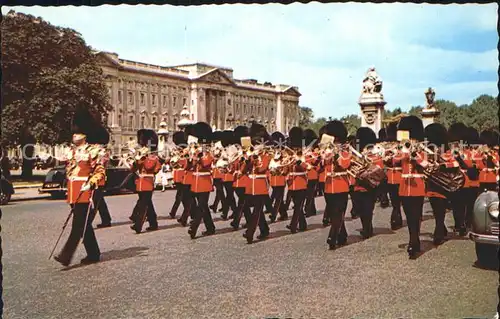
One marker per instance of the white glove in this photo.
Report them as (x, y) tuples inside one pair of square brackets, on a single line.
[(85, 187)]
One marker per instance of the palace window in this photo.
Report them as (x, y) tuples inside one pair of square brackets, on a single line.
[(143, 99), (143, 122), (130, 122), (184, 101), (131, 98), (153, 99), (119, 97), (164, 100), (154, 122), (175, 101), (228, 101), (119, 120)]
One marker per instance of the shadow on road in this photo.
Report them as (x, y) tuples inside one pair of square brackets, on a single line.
[(120, 254)]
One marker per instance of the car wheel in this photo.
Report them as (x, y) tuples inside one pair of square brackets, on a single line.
[(4, 198), (58, 195), (487, 255)]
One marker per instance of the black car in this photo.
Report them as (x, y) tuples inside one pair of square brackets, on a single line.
[(6, 191), (118, 180)]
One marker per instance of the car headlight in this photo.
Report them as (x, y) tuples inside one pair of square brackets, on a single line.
[(493, 210)]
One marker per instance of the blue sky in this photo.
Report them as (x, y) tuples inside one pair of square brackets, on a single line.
[(324, 49)]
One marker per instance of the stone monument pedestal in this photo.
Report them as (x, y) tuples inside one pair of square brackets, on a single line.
[(429, 116), (372, 110)]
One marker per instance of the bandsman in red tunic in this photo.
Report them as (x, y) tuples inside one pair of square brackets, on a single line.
[(297, 180), (217, 176), (84, 173), (240, 179), (146, 166), (228, 178), (364, 197), (382, 190), (393, 172), (202, 183), (177, 162), (351, 139), (277, 178), (312, 158), (187, 179), (412, 186), (437, 136), (335, 162), (488, 176), (257, 190)]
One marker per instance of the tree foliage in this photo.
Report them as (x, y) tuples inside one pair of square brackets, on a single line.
[(48, 71), (306, 116)]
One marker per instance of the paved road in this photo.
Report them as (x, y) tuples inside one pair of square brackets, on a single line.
[(165, 274)]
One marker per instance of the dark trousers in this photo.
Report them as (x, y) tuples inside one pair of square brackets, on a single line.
[(354, 212), (201, 212), (298, 217), (439, 210), (77, 226), (288, 200), (268, 203), (470, 195), (458, 206), (488, 186), (257, 217), (178, 199), (310, 205), (396, 218), (412, 207), (382, 190), (243, 207), (187, 203), (278, 204), (230, 202), (101, 205), (365, 203), (219, 194), (336, 205), (321, 189), (143, 209)]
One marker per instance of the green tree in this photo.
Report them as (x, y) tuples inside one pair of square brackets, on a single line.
[(482, 113), (48, 72), (306, 117), (416, 111), (317, 124), (352, 122)]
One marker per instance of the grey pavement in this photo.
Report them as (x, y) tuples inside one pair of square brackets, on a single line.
[(165, 274)]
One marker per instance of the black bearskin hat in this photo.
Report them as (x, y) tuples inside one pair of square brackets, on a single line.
[(278, 138), (437, 135), (258, 133), (203, 132), (148, 138), (365, 136), (472, 136), (336, 129), (382, 135), (310, 138), (413, 125), (83, 122), (391, 132), (295, 136), (457, 132), (239, 132), (351, 139), (227, 138), (179, 138), (217, 136), (98, 135), (489, 138)]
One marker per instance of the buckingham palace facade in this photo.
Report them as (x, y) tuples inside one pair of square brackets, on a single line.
[(143, 95)]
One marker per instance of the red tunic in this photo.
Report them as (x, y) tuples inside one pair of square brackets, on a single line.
[(258, 184), (412, 182), (489, 174), (297, 177), (337, 178), (202, 177), (240, 180), (431, 189), (313, 174), (147, 169)]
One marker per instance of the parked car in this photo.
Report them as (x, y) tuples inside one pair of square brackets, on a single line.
[(6, 191), (119, 180), (485, 229)]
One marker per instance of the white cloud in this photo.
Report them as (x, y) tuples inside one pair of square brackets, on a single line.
[(324, 49)]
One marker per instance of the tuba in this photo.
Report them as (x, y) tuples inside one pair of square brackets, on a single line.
[(449, 179)]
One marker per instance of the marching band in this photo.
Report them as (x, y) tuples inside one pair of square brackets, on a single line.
[(250, 170)]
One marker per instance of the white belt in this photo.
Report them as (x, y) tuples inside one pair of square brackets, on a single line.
[(491, 169), (297, 173), (146, 175), (395, 168), (78, 178), (178, 169), (254, 176), (202, 173), (412, 175), (329, 174)]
